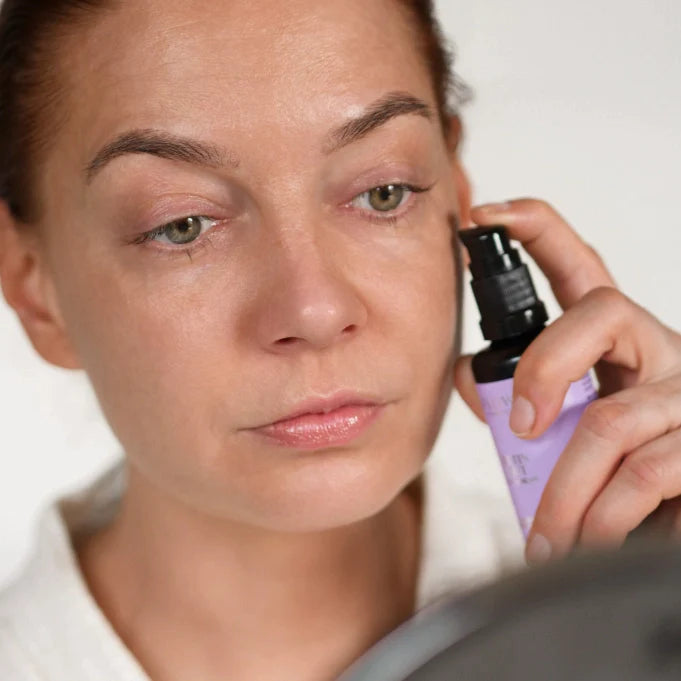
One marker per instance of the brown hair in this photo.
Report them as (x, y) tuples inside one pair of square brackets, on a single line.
[(30, 92)]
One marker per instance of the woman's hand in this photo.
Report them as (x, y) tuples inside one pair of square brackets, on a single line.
[(624, 460)]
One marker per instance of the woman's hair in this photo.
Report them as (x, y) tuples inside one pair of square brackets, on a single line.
[(32, 94)]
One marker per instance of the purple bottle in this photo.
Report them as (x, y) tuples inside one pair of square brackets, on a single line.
[(512, 316)]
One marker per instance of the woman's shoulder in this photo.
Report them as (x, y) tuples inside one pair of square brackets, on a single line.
[(27, 613), (40, 605), (17, 619), (14, 663), (50, 626)]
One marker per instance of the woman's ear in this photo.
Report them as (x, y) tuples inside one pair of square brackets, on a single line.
[(29, 290), (462, 183)]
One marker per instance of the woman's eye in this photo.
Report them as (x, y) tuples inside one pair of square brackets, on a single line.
[(183, 231), (387, 198), (384, 199)]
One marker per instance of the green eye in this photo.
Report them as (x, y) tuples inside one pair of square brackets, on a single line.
[(388, 202), (178, 232), (183, 231), (387, 198)]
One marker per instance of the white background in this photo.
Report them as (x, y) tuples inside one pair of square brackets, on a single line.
[(576, 102)]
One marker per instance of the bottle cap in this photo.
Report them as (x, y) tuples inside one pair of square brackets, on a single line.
[(501, 284)]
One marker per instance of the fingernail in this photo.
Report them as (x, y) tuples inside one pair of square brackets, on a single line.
[(538, 549), (494, 207), (522, 416)]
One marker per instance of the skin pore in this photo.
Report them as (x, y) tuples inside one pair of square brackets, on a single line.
[(233, 557)]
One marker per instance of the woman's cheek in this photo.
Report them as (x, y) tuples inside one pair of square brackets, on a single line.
[(428, 292)]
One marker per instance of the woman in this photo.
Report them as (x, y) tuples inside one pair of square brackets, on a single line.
[(230, 214)]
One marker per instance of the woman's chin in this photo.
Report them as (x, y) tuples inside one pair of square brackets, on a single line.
[(286, 489), (336, 490)]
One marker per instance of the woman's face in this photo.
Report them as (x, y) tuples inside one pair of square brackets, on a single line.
[(299, 280)]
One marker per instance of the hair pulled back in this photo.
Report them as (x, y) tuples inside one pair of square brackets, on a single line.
[(31, 90)]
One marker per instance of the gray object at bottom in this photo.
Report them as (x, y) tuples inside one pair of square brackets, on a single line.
[(614, 617)]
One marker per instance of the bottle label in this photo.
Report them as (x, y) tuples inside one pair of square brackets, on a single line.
[(527, 464)]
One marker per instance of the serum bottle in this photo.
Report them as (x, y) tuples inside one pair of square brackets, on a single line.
[(512, 316)]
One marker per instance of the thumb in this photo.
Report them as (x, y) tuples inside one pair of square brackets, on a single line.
[(464, 382)]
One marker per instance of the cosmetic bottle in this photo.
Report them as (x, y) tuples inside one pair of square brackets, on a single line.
[(512, 316)]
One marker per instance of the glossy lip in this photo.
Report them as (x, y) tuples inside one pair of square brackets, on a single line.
[(317, 423), (324, 405)]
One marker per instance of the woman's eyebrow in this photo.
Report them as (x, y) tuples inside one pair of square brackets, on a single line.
[(377, 114), (162, 144), (176, 148)]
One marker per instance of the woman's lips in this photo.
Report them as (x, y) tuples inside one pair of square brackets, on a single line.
[(316, 431)]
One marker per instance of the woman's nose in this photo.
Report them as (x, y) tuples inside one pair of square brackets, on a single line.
[(309, 302)]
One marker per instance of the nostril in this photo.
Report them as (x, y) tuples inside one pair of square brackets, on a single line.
[(286, 341)]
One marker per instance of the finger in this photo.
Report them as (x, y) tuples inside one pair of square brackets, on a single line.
[(608, 429), (647, 476), (571, 266), (465, 385), (604, 325)]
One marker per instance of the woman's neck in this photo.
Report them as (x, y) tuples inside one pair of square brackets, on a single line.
[(196, 597)]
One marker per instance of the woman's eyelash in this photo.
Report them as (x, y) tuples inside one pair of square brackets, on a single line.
[(162, 229), (390, 216)]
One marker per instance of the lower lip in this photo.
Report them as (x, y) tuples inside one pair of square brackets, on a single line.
[(316, 431)]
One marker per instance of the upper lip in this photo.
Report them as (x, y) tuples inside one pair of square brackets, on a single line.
[(323, 405)]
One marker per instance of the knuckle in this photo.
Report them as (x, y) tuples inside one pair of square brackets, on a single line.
[(598, 524), (608, 297), (535, 367), (643, 473), (541, 208), (607, 419), (616, 310), (543, 369), (595, 255)]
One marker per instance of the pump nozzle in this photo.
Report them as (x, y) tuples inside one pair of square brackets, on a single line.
[(501, 284)]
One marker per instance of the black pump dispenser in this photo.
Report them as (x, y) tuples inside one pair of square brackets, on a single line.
[(502, 285)]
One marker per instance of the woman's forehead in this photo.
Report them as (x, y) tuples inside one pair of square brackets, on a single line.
[(252, 43), (212, 69)]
